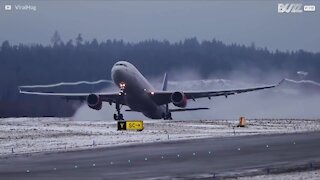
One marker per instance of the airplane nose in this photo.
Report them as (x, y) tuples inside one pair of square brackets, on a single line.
[(116, 73)]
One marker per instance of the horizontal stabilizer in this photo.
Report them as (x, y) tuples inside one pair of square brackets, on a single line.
[(130, 110), (187, 109), (176, 110)]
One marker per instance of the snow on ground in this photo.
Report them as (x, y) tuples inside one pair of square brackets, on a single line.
[(28, 135), (306, 175)]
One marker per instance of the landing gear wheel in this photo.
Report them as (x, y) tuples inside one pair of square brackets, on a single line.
[(118, 117), (167, 116)]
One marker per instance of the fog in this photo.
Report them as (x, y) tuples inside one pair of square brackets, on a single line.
[(241, 22), (292, 99)]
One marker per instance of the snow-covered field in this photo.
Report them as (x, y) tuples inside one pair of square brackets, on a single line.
[(28, 135)]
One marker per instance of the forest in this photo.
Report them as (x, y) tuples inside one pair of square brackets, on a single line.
[(78, 59)]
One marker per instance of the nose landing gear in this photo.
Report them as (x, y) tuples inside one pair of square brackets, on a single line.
[(118, 116)]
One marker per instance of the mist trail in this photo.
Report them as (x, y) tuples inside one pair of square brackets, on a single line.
[(171, 82), (303, 81), (67, 84)]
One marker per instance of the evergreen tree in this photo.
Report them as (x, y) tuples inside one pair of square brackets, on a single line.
[(56, 39)]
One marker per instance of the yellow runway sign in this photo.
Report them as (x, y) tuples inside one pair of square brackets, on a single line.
[(136, 125)]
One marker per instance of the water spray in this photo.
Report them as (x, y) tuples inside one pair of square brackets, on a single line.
[(303, 82)]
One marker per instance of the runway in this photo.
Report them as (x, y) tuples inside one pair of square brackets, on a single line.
[(174, 159)]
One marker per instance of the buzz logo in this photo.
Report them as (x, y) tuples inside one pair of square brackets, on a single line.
[(290, 8)]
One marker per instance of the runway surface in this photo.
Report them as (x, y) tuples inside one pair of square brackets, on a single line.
[(180, 159)]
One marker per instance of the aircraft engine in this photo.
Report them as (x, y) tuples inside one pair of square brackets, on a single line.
[(179, 99), (94, 101)]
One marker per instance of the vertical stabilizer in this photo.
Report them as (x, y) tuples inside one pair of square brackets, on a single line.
[(165, 82)]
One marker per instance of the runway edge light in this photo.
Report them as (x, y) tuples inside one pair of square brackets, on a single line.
[(135, 125)]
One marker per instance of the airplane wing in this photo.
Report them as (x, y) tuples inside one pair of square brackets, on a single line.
[(106, 97), (164, 97)]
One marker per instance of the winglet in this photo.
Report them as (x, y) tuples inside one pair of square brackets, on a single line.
[(281, 82), (165, 82)]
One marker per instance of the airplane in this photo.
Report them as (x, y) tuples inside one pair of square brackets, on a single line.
[(140, 96)]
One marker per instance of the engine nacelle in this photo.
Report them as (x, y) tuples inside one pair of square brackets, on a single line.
[(179, 99), (94, 101)]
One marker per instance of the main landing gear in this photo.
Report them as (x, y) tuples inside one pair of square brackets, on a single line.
[(118, 116), (167, 115)]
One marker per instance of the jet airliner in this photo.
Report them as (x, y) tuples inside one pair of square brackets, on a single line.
[(140, 96)]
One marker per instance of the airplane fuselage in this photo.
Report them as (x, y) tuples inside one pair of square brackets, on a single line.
[(136, 89)]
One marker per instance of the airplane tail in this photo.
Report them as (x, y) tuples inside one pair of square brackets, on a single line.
[(165, 82)]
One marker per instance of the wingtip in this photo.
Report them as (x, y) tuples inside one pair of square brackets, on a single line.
[(281, 81)]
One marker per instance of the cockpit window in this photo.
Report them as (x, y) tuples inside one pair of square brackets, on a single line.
[(120, 64)]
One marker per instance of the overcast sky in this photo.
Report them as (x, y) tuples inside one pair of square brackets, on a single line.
[(241, 22)]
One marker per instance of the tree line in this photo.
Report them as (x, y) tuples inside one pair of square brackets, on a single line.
[(79, 59)]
